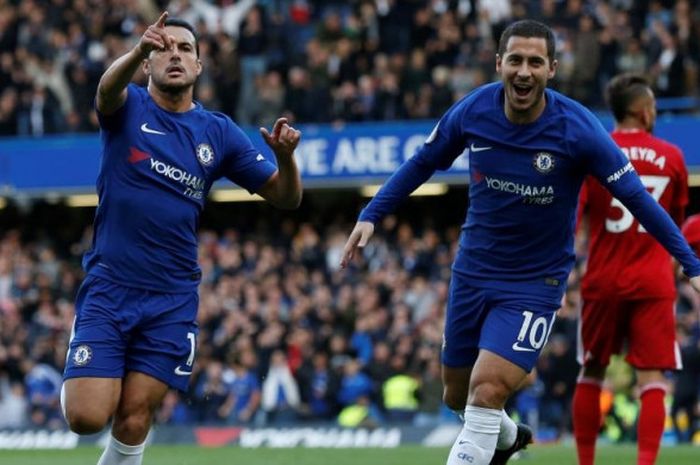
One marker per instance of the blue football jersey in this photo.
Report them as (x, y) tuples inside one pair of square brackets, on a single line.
[(156, 170), (524, 186)]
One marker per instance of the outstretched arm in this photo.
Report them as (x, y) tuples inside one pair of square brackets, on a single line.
[(111, 91), (283, 189)]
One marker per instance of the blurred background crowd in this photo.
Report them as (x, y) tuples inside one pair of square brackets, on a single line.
[(330, 60), (285, 336)]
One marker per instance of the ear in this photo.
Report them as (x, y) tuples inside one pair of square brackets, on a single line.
[(499, 60), (647, 115), (199, 66), (552, 69), (146, 67)]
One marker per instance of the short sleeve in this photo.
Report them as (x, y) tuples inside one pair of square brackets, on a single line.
[(134, 97), (243, 163)]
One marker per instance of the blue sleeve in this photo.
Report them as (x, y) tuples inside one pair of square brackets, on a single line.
[(615, 172), (135, 95), (444, 144), (243, 163)]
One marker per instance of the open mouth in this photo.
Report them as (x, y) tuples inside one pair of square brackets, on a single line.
[(175, 70), (522, 90)]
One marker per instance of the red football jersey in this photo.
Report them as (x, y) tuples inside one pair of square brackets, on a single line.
[(691, 231), (623, 259)]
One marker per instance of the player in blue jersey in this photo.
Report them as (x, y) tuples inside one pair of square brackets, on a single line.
[(529, 150), (135, 329)]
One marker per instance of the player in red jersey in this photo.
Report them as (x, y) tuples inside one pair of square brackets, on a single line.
[(629, 288), (691, 231)]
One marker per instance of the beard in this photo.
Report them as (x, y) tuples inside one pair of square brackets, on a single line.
[(537, 96), (173, 88)]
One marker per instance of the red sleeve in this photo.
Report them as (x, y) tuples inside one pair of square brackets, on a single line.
[(680, 199), (582, 202)]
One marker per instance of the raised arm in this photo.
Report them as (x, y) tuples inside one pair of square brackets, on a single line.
[(111, 91), (283, 189), (441, 148)]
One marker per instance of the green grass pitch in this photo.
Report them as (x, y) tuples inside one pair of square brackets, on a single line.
[(405, 455)]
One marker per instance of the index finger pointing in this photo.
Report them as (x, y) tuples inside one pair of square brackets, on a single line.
[(161, 20), (278, 127)]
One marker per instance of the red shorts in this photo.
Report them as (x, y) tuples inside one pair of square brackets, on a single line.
[(648, 327)]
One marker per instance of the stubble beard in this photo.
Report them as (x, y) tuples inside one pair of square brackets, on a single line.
[(173, 89)]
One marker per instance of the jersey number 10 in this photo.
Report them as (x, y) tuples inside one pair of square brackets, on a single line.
[(656, 186)]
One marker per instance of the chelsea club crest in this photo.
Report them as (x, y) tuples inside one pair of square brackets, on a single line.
[(205, 154), (543, 162), (82, 355)]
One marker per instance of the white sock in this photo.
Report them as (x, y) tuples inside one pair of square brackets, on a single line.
[(509, 431), (118, 453), (476, 443)]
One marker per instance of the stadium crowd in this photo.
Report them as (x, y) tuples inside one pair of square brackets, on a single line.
[(331, 61), (285, 336)]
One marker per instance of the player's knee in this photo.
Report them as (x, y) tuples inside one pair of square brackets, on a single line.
[(133, 424), (489, 394), (81, 421), (594, 371)]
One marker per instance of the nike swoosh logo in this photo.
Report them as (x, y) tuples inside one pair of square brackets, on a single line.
[(462, 442), (517, 348), (180, 372), (147, 130), (474, 148)]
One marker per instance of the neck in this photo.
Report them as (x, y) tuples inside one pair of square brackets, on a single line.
[(178, 102), (629, 125)]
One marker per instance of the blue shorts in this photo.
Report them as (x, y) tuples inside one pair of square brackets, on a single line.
[(513, 325), (118, 329)]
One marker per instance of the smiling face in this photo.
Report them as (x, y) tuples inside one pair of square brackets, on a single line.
[(525, 68), (176, 69)]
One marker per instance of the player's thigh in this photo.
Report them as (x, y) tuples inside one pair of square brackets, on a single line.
[(652, 335), (90, 400), (466, 311), (95, 356), (516, 329), (164, 346), (141, 394), (602, 331)]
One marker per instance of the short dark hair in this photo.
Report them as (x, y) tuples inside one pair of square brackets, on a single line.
[(528, 28), (623, 90), (177, 22)]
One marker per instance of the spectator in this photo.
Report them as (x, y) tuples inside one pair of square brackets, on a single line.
[(280, 392)]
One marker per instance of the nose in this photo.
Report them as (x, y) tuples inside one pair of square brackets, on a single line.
[(524, 70)]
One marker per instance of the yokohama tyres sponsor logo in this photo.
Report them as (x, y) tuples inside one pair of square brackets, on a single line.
[(40, 439), (534, 195), (176, 174), (320, 437)]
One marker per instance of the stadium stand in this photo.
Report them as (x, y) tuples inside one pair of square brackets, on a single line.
[(273, 304)]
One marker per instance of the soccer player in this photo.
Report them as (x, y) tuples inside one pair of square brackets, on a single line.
[(529, 151), (135, 329), (629, 287), (691, 231)]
